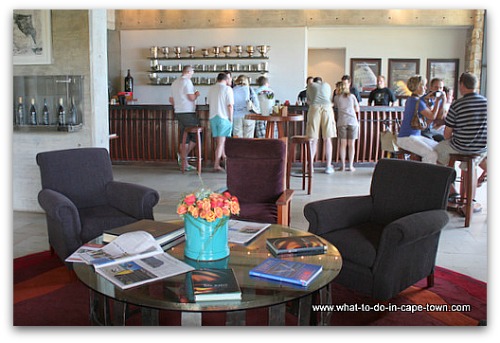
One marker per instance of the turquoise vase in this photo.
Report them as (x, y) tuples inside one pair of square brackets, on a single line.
[(206, 241)]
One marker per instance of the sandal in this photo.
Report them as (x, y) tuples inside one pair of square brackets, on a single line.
[(482, 179)]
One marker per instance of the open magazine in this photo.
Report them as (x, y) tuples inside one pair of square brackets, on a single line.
[(132, 259), (242, 232)]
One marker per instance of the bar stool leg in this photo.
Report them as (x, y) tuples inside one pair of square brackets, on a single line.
[(309, 167), (198, 147), (291, 155), (183, 151)]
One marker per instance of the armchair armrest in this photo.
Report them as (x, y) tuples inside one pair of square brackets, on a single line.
[(285, 197), (63, 222), (135, 200), (413, 227), (337, 213)]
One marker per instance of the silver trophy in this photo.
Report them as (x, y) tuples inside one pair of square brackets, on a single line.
[(250, 50), (263, 49), (226, 50), (204, 52), (216, 51), (154, 51), (177, 51), (238, 49), (165, 50), (190, 50)]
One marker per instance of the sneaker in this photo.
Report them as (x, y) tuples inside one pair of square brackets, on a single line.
[(190, 168), (329, 170), (179, 160)]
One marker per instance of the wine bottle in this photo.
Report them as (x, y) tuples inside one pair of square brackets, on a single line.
[(72, 113), (129, 82), (45, 113), (61, 113), (33, 117), (20, 112)]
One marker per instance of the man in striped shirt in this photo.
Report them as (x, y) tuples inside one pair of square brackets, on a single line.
[(466, 123)]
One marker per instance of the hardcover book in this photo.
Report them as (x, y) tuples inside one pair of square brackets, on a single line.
[(212, 284), (296, 245), (162, 232), (298, 273)]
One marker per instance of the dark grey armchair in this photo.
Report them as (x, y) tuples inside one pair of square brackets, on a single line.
[(81, 199), (388, 239)]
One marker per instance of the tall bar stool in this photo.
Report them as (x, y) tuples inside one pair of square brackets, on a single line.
[(197, 130), (401, 155), (304, 143), (467, 181)]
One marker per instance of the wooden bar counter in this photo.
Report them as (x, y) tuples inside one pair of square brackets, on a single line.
[(150, 133)]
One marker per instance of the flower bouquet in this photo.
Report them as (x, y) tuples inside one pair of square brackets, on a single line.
[(206, 215)]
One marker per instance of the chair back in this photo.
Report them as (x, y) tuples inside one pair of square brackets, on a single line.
[(80, 174), (256, 169), (401, 187)]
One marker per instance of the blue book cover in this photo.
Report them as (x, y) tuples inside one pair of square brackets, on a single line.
[(298, 273)]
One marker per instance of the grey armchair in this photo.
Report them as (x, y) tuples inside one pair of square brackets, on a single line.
[(81, 199), (388, 239)]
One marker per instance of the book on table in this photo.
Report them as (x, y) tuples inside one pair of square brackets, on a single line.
[(242, 232), (163, 232), (296, 245), (212, 284), (294, 272)]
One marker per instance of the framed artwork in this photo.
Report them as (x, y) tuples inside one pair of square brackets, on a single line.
[(32, 37), (446, 69), (364, 72), (400, 70)]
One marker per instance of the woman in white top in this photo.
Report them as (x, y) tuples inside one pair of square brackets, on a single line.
[(242, 93), (347, 124)]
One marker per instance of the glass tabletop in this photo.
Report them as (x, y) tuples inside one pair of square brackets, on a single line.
[(170, 293)]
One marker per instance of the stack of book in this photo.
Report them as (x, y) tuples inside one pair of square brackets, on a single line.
[(166, 234)]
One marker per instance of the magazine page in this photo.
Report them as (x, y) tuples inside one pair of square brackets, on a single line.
[(242, 232), (127, 247), (86, 248), (134, 273)]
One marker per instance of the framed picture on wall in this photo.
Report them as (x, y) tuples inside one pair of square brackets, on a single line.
[(364, 72), (446, 69), (400, 70), (32, 37)]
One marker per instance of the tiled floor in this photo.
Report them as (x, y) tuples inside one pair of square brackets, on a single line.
[(461, 249)]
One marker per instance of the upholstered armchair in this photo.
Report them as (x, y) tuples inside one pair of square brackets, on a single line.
[(81, 199), (388, 239), (256, 171)]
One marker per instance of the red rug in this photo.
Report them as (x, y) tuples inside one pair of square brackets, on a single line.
[(46, 293)]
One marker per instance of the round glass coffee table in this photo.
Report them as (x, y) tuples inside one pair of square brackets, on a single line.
[(109, 302)]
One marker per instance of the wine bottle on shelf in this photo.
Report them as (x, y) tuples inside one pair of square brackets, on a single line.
[(33, 117), (45, 113), (72, 113), (129, 82), (20, 112), (61, 113)]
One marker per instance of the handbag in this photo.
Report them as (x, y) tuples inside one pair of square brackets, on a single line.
[(388, 140), (418, 122)]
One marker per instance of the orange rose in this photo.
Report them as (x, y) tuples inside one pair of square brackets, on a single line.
[(182, 209)]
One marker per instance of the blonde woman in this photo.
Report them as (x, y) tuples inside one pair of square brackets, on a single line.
[(409, 138), (347, 123), (242, 127)]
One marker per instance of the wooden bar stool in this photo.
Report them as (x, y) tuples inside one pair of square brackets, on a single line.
[(197, 130), (468, 182), (307, 163), (401, 155)]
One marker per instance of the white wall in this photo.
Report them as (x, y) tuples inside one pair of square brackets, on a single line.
[(385, 43), (289, 47), (287, 57)]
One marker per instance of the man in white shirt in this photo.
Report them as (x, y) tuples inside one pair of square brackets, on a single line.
[(221, 101), (183, 99)]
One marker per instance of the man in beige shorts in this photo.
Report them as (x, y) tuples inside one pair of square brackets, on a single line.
[(320, 119)]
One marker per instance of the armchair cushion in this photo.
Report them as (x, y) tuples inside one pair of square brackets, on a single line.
[(259, 212), (95, 220)]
